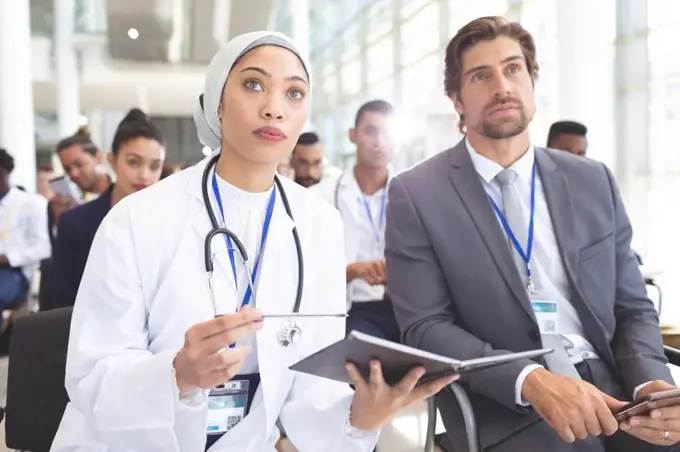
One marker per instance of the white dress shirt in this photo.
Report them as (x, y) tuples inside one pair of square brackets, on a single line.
[(364, 239), (24, 236), (546, 262), (244, 215)]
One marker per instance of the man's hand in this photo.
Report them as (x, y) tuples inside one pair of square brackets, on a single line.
[(60, 204), (574, 409), (653, 427), (371, 272), (375, 402), (203, 362)]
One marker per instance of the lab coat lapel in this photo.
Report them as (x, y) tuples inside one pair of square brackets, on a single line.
[(349, 197), (275, 291)]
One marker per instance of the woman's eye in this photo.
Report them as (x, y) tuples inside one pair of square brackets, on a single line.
[(296, 94), (253, 85), (133, 163)]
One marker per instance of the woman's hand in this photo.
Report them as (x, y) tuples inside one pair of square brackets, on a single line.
[(203, 362), (376, 403)]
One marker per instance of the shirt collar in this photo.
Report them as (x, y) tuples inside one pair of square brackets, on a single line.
[(7, 199), (488, 169), (355, 185)]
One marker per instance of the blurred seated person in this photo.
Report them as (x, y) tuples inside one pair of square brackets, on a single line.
[(568, 136), (24, 240), (307, 159), (82, 162), (45, 174), (571, 136), (137, 157), (285, 170)]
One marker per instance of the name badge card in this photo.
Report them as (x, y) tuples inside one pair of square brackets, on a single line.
[(227, 406), (546, 315)]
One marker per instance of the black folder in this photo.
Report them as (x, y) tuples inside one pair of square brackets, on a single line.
[(396, 359)]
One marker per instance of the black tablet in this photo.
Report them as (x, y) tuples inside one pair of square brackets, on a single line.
[(397, 359)]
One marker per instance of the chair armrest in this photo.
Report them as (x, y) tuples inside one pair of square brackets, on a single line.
[(673, 355)]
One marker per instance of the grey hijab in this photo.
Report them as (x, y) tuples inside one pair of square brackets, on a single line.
[(205, 114)]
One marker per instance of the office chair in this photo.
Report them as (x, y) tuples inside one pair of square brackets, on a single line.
[(466, 408), (36, 396)]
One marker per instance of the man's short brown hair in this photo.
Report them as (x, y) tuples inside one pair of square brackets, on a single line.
[(485, 29)]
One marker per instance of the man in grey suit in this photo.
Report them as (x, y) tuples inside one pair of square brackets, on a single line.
[(496, 245)]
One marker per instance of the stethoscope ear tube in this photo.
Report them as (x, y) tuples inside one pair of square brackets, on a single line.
[(208, 242)]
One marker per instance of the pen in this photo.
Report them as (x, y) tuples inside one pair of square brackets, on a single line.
[(291, 315)]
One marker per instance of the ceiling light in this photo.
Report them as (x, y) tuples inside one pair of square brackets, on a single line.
[(133, 33)]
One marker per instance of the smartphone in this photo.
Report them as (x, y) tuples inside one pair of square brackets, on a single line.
[(65, 187), (644, 405)]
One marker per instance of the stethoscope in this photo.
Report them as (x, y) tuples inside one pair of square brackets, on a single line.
[(290, 332)]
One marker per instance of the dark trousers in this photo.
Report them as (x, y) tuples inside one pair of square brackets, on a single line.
[(375, 318), (13, 286), (540, 437)]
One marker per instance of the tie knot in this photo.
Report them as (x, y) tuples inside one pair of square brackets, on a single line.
[(507, 176)]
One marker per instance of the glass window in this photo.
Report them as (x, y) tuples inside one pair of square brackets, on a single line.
[(664, 123), (379, 20), (410, 7), (350, 75), (661, 12), (420, 84), (380, 59), (463, 11), (664, 56), (330, 89), (420, 35), (350, 38), (384, 89)]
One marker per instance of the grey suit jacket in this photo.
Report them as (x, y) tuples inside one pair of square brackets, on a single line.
[(456, 290)]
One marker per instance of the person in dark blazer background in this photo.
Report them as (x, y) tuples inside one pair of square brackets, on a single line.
[(137, 158)]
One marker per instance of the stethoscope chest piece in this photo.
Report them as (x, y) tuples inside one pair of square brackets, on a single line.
[(289, 334)]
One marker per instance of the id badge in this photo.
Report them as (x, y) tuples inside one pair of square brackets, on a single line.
[(547, 316), (227, 406)]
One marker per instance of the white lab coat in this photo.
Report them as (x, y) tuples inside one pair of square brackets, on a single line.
[(145, 284), (344, 193)]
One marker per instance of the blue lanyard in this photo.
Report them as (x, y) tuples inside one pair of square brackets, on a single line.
[(381, 220), (530, 240), (263, 240)]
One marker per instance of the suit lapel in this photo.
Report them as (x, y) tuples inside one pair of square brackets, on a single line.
[(562, 216), (561, 208), (466, 181)]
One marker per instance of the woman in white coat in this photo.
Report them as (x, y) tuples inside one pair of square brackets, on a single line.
[(150, 336)]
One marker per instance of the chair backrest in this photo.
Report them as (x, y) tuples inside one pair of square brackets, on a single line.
[(36, 396)]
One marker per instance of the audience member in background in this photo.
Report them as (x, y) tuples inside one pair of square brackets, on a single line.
[(137, 158), (169, 170), (285, 170), (24, 241), (45, 174), (568, 136), (307, 159), (361, 197), (82, 162)]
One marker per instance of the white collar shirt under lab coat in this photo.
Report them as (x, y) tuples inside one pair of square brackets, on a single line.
[(364, 242), (145, 284), (24, 236)]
